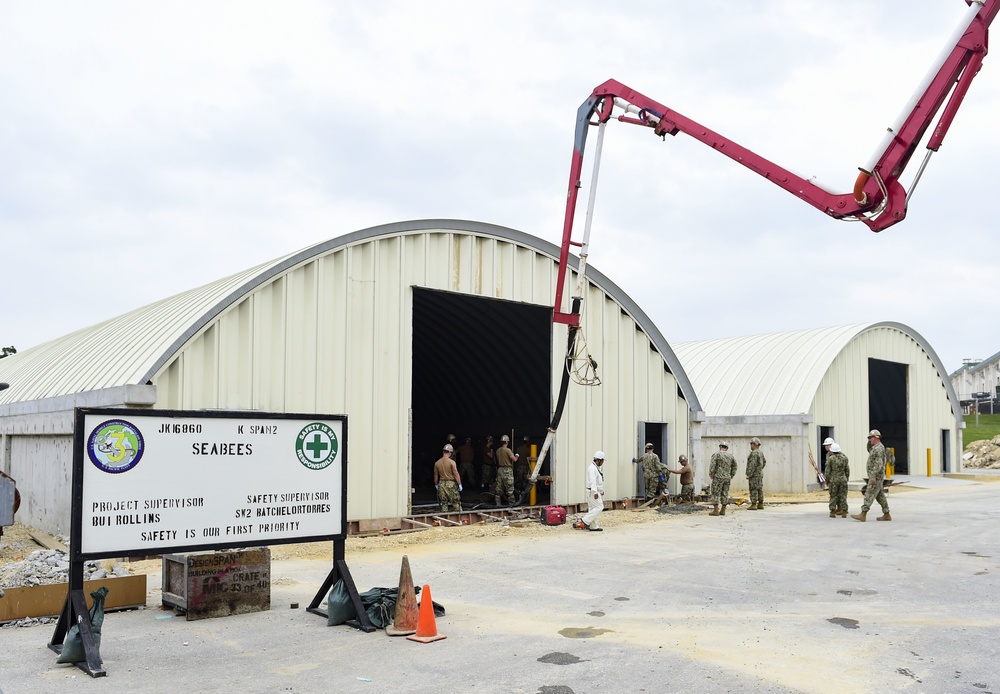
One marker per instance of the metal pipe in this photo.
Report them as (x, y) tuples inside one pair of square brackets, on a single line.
[(589, 220), (918, 93)]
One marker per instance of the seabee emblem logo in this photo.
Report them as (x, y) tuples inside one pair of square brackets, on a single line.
[(115, 446), (316, 446)]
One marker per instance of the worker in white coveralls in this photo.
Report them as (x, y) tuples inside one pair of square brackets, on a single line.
[(595, 492)]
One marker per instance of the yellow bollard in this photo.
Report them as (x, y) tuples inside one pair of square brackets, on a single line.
[(929, 472), (532, 495)]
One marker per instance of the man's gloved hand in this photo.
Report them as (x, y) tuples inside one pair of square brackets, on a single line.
[(459, 487), (436, 486)]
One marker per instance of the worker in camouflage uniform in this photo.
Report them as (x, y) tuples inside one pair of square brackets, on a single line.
[(722, 469), (521, 465), (687, 479), (466, 455), (505, 471), (447, 481), (755, 475), (652, 472), (876, 476), (487, 479), (837, 472)]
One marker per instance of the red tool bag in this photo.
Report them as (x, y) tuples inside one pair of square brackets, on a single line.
[(553, 515)]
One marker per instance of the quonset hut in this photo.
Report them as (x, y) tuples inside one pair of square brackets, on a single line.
[(413, 330), (795, 389)]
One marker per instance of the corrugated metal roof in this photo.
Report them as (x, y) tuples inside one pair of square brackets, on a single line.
[(773, 374), (132, 348), (119, 351)]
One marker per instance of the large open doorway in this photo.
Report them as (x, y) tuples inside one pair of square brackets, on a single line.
[(887, 408), (481, 368)]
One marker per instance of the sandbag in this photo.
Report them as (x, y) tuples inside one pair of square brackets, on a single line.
[(339, 607), (380, 604), (72, 650)]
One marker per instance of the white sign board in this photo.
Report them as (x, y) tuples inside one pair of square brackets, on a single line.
[(154, 481)]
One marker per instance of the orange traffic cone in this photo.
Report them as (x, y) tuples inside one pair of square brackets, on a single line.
[(426, 626), (404, 622)]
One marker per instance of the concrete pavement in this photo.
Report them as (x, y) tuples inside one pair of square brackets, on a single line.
[(780, 600)]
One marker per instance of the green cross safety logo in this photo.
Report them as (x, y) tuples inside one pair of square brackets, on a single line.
[(316, 446)]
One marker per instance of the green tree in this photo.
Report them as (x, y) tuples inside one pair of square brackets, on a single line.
[(7, 351)]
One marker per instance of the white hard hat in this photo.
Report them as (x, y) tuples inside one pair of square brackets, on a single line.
[(876, 433), (448, 448), (828, 441), (598, 455), (835, 447), (504, 438)]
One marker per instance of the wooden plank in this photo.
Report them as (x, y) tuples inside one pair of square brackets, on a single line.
[(46, 540), (124, 592)]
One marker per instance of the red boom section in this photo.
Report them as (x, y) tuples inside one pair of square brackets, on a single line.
[(878, 199)]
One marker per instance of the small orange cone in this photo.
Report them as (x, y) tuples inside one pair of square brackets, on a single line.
[(404, 622), (426, 626)]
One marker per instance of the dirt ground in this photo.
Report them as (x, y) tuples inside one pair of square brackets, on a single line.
[(17, 543)]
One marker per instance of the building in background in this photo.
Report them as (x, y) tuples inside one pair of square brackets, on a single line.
[(794, 389), (413, 330)]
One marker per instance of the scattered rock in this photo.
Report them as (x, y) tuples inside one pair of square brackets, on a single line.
[(985, 454), (49, 566)]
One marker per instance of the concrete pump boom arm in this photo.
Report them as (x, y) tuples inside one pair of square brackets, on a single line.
[(878, 199)]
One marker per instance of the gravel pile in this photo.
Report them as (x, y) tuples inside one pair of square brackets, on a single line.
[(983, 454), (48, 566)]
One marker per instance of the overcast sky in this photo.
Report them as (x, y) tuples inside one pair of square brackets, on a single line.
[(147, 148)]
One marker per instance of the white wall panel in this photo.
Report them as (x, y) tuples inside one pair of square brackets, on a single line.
[(331, 333)]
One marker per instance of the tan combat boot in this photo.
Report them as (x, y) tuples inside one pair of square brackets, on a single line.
[(723, 511), (884, 516), (833, 514), (843, 514), (863, 516), (714, 511)]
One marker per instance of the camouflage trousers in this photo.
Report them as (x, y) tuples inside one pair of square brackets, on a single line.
[(875, 492), (838, 496), (505, 484), (756, 489), (654, 486), (468, 474), (520, 475), (687, 492), (487, 478), (720, 492), (448, 496)]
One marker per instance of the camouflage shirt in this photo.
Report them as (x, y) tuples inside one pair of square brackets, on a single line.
[(755, 463), (722, 467), (650, 464), (837, 468), (876, 462)]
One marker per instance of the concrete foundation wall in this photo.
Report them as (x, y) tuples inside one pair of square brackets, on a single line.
[(36, 449), (784, 442)]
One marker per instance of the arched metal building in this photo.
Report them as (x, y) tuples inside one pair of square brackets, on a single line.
[(413, 330), (794, 389)]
